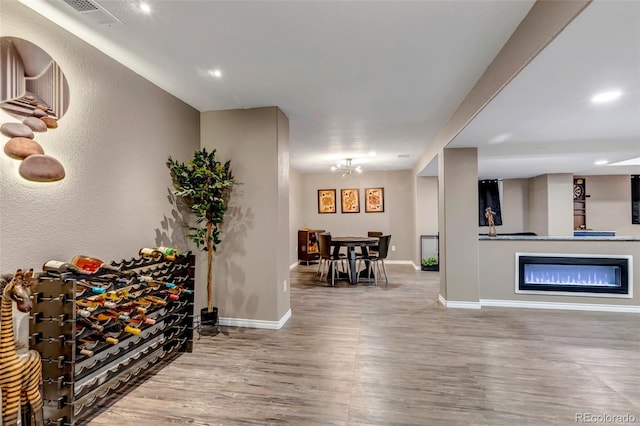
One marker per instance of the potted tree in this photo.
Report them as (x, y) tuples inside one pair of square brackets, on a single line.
[(205, 186)]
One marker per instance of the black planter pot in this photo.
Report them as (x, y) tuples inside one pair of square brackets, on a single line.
[(209, 319), (430, 268)]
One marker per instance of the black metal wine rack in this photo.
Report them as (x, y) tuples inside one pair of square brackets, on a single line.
[(76, 386)]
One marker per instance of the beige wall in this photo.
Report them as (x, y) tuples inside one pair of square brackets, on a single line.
[(458, 225), (427, 205), (538, 205), (254, 254), (397, 219), (295, 212), (609, 204), (551, 204), (497, 267), (515, 207), (560, 203), (113, 141), (282, 227)]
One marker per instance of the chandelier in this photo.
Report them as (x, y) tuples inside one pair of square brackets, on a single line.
[(347, 168)]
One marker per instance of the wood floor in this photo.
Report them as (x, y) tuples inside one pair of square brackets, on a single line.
[(364, 355)]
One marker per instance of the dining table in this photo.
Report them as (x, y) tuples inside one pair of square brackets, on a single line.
[(351, 243)]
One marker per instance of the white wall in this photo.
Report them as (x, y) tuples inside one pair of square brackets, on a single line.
[(397, 219), (113, 142)]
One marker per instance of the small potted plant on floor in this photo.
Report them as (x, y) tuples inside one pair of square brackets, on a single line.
[(430, 264), (205, 185)]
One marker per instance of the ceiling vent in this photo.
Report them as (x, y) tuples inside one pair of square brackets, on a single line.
[(93, 12)]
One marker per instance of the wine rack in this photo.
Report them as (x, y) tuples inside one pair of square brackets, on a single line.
[(82, 372)]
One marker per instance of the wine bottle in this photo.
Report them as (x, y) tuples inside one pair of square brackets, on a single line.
[(85, 313), (92, 304), (119, 295), (94, 288), (131, 308), (168, 252), (108, 314), (120, 317), (88, 323), (152, 282), (142, 319), (105, 338), (60, 267), (152, 253), (97, 267), (179, 290), (83, 350), (154, 300)]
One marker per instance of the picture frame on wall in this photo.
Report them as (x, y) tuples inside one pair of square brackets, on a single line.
[(374, 200), (350, 200), (326, 201)]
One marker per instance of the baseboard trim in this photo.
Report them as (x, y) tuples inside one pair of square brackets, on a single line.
[(293, 265), (442, 300), (458, 304), (401, 262), (559, 305), (250, 323)]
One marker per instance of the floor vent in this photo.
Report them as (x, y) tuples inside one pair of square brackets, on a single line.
[(93, 12)]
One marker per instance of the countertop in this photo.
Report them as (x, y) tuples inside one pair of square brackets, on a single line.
[(555, 238)]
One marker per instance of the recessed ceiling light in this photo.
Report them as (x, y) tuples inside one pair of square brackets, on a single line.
[(403, 155), (600, 162), (215, 73), (630, 162), (333, 168), (503, 137), (145, 8), (606, 96)]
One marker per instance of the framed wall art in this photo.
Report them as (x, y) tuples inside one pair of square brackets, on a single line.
[(326, 201), (350, 200), (374, 200)]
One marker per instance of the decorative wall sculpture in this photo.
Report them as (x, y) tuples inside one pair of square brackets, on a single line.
[(34, 90)]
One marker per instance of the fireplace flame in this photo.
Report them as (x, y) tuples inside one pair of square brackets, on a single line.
[(606, 276)]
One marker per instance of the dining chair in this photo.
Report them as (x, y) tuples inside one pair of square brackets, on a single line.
[(321, 260), (374, 234), (326, 258), (377, 259)]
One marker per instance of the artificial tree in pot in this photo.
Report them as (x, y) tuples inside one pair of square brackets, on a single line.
[(205, 185)]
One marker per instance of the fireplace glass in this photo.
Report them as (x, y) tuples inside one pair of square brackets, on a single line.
[(575, 274)]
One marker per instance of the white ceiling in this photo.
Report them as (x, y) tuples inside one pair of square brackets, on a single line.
[(383, 76), (553, 125)]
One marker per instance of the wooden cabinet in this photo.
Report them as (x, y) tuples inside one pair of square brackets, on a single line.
[(308, 245)]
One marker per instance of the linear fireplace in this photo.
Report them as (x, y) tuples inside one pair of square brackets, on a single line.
[(575, 274)]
